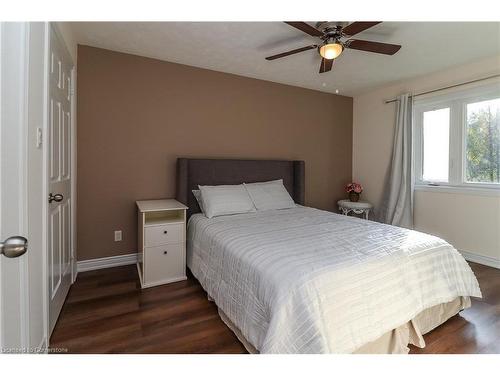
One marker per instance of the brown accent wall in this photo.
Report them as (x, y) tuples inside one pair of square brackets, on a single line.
[(137, 115)]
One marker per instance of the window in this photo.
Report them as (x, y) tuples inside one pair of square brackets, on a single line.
[(436, 145), (457, 138), (483, 141)]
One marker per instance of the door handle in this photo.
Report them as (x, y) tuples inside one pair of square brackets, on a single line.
[(55, 197), (14, 247)]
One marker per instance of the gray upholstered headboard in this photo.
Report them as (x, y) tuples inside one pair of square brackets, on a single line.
[(194, 172)]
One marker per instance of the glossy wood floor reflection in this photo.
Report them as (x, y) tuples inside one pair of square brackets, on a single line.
[(107, 312), (474, 330)]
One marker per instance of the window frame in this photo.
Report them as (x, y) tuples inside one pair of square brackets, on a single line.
[(457, 101)]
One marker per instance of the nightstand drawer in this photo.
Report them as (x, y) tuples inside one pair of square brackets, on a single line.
[(164, 264), (163, 234)]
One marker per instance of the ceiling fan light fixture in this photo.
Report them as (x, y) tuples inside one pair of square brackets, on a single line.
[(331, 45), (331, 51)]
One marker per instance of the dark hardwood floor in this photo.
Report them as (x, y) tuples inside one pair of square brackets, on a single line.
[(107, 312)]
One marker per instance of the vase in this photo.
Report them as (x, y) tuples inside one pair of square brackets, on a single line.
[(353, 197)]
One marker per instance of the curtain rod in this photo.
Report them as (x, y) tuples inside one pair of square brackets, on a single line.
[(445, 88)]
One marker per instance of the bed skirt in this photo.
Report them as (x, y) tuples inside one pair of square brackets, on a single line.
[(395, 341)]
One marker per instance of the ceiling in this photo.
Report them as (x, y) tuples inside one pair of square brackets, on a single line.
[(240, 48)]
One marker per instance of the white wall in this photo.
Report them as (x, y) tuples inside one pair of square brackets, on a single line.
[(469, 222), (35, 189)]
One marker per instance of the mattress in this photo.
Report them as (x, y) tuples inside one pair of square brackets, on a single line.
[(303, 280)]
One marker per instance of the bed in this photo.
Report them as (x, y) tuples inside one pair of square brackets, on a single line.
[(303, 280)]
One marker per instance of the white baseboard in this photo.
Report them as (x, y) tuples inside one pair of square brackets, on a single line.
[(123, 260), (108, 262), (481, 259)]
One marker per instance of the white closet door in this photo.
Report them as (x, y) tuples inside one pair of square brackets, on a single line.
[(60, 174)]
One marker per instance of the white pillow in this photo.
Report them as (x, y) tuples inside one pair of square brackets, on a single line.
[(225, 200), (271, 195), (197, 195)]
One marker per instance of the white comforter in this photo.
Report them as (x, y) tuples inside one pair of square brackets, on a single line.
[(302, 280)]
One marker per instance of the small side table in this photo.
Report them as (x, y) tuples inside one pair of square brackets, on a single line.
[(346, 206), (162, 242)]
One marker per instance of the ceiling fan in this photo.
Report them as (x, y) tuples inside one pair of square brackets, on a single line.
[(332, 45)]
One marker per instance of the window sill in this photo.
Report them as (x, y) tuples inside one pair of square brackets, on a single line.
[(469, 190)]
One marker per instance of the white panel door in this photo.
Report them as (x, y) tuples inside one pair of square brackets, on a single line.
[(13, 288), (59, 168), (22, 116)]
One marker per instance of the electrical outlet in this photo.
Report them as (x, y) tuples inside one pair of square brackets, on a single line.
[(118, 235)]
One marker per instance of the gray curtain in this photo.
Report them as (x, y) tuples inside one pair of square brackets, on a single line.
[(397, 203)]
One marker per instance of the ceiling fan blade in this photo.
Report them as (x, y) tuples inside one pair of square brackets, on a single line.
[(306, 28), (326, 65), (293, 51), (377, 47), (357, 27)]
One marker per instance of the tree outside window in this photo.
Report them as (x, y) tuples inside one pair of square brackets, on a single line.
[(483, 142)]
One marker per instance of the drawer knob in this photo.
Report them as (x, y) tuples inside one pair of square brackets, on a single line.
[(165, 252), (165, 232)]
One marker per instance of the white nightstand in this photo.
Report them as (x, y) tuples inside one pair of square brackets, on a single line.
[(346, 206), (162, 242)]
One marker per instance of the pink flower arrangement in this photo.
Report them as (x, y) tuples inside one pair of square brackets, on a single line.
[(354, 187)]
